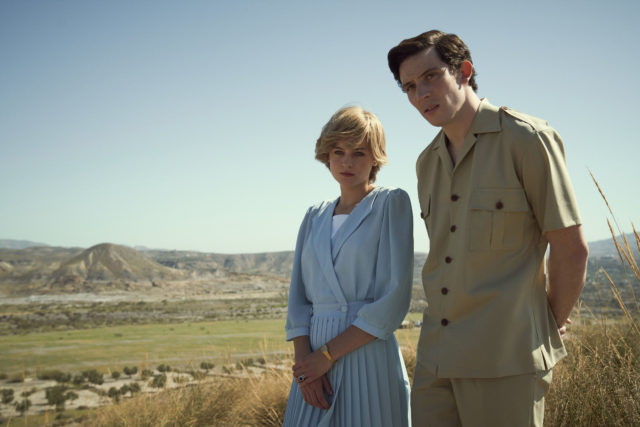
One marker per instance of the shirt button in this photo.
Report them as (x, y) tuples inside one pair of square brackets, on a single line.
[(448, 260), (499, 205), (343, 308), (453, 228), (444, 322), (421, 215), (444, 291), (454, 197)]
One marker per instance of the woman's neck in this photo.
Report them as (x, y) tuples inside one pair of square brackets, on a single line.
[(350, 197)]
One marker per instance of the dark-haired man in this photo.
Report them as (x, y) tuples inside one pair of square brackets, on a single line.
[(494, 193)]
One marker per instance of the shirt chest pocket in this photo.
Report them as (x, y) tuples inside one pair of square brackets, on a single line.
[(497, 219)]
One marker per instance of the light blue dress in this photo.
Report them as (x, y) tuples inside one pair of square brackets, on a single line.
[(362, 276)]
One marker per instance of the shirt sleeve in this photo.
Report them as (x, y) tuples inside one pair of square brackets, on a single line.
[(394, 270), (299, 307), (547, 184)]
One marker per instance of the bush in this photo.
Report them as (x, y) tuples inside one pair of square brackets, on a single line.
[(115, 375), (206, 365), (93, 376), (7, 395), (56, 396), (114, 393), (56, 375), (159, 381), (22, 406), (130, 371), (145, 374), (164, 368)]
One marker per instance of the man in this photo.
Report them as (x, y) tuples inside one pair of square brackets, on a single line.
[(494, 192)]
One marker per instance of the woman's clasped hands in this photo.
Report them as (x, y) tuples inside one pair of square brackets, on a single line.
[(310, 372)]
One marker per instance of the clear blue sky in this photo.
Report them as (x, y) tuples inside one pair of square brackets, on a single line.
[(191, 125)]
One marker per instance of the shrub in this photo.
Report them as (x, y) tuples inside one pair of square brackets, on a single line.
[(56, 375), (164, 368), (159, 381), (145, 374), (93, 376), (7, 395), (206, 365), (56, 396), (115, 375), (22, 406)]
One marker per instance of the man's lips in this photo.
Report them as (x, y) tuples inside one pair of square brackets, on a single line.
[(346, 174), (430, 109)]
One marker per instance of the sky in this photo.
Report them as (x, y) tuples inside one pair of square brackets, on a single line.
[(192, 125)]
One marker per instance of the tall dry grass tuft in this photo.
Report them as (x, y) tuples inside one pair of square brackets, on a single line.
[(229, 402), (598, 383)]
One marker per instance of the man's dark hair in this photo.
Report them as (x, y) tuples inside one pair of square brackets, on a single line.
[(450, 48)]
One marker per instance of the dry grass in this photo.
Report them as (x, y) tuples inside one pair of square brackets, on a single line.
[(597, 384), (231, 402)]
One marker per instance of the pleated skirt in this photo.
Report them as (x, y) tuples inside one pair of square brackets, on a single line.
[(370, 385)]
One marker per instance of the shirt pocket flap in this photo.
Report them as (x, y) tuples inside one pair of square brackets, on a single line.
[(500, 199)]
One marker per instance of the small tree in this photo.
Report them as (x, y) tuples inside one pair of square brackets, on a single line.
[(115, 375), (159, 381), (93, 376), (164, 368), (23, 406), (134, 388), (56, 396), (114, 393), (206, 365), (7, 395), (145, 374)]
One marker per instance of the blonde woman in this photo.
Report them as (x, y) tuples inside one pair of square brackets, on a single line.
[(351, 288)]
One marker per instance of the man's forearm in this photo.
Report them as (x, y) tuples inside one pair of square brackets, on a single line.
[(567, 267)]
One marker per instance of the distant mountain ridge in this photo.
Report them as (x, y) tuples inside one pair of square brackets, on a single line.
[(18, 244)]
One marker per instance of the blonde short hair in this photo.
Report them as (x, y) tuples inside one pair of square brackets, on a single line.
[(353, 126)]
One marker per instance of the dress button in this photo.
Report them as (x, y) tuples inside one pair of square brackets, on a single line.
[(454, 197), (448, 260), (499, 205), (453, 228), (343, 308), (444, 291), (421, 215), (444, 322)]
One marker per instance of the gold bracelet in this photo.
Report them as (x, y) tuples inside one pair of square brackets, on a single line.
[(325, 350)]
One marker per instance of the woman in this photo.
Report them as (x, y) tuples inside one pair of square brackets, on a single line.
[(351, 288)]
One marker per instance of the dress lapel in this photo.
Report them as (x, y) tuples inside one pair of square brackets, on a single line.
[(321, 241), (355, 218)]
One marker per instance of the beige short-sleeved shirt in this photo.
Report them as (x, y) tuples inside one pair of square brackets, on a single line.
[(484, 277)]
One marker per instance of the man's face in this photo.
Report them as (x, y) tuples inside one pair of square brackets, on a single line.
[(435, 92)]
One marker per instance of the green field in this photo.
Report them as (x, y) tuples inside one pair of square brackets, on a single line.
[(181, 344)]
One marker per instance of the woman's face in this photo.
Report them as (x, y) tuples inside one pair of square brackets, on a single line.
[(351, 166)]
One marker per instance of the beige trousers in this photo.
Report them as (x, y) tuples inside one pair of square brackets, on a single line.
[(515, 401)]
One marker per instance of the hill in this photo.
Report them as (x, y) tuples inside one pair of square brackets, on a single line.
[(109, 262)]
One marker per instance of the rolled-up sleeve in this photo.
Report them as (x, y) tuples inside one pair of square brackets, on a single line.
[(299, 307), (394, 270)]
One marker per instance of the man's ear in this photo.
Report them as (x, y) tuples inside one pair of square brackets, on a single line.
[(466, 69)]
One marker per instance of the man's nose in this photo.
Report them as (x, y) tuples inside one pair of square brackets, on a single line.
[(423, 90)]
